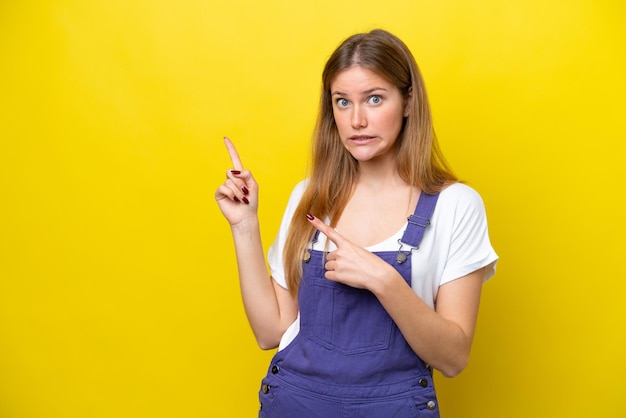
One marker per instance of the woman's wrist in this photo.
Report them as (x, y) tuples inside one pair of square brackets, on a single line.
[(246, 226), (386, 282)]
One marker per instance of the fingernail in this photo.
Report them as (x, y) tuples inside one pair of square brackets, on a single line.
[(236, 200), (310, 217), (245, 200), (244, 190), (235, 171)]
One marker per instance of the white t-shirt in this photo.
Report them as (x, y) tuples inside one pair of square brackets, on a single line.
[(455, 244)]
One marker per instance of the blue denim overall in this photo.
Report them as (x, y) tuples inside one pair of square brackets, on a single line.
[(349, 358)]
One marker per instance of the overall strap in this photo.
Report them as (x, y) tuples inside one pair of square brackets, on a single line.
[(416, 226), (307, 253), (418, 222)]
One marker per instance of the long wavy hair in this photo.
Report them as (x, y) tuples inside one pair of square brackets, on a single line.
[(334, 171)]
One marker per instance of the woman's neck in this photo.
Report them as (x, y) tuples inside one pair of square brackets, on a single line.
[(379, 174)]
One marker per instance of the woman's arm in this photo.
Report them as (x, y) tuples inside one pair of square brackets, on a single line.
[(441, 338), (270, 308)]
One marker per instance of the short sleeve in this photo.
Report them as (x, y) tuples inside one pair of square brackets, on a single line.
[(469, 246), (275, 253)]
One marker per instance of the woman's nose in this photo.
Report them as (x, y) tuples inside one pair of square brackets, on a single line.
[(359, 119)]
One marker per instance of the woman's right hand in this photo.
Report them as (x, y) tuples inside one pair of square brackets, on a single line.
[(238, 196)]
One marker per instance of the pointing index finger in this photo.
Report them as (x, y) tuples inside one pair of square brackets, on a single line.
[(234, 156), (332, 235)]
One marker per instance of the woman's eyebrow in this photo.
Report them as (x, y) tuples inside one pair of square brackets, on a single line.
[(364, 93)]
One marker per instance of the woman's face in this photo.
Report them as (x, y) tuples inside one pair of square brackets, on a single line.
[(368, 112)]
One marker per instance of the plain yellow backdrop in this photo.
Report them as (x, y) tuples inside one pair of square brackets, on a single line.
[(118, 287)]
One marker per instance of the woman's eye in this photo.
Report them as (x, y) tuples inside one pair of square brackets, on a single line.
[(342, 102), (375, 99)]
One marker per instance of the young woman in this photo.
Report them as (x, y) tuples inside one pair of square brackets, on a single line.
[(377, 269)]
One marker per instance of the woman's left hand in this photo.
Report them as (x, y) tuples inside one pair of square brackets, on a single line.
[(351, 264)]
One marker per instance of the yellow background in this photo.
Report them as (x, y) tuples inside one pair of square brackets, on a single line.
[(118, 287)]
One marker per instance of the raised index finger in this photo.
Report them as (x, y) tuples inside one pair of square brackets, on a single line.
[(234, 156)]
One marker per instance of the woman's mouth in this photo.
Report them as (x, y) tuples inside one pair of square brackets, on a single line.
[(361, 139)]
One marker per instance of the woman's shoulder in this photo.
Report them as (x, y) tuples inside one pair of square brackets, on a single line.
[(460, 195), (296, 195), (298, 191), (301, 186), (459, 190)]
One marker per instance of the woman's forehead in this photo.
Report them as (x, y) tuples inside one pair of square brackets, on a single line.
[(358, 77)]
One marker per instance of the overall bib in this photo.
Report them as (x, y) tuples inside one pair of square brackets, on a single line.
[(349, 359)]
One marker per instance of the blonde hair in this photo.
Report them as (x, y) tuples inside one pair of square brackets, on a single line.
[(333, 170)]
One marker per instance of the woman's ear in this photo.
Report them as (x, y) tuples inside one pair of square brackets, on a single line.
[(407, 102)]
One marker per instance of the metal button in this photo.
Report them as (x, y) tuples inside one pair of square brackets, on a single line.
[(275, 369), (430, 405), (265, 388), (423, 382)]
